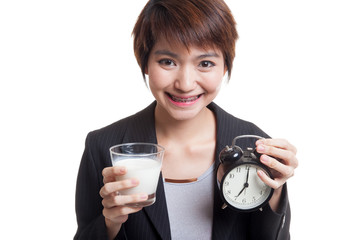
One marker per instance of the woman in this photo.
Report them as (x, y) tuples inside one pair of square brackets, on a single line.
[(185, 47)]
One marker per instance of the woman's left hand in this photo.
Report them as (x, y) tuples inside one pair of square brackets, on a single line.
[(280, 156)]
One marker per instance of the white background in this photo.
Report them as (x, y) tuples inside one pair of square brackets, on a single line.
[(67, 67)]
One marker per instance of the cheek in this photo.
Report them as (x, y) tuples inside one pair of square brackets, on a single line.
[(157, 79), (154, 76), (214, 82)]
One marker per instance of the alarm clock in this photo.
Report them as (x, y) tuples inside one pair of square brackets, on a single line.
[(240, 187)]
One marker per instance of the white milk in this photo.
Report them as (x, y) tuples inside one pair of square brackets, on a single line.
[(146, 170)]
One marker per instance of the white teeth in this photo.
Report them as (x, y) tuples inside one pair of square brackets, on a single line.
[(178, 99)]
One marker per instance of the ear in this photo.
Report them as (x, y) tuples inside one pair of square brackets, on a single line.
[(225, 69)]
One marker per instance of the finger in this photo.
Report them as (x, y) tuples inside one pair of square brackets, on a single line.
[(283, 170), (273, 183), (122, 200), (110, 173), (287, 157), (112, 187), (119, 213), (278, 143)]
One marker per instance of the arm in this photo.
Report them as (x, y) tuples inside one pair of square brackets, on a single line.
[(268, 224), (100, 211), (91, 223), (274, 221)]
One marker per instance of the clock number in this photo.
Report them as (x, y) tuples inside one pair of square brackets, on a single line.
[(238, 169), (228, 192), (231, 175), (226, 183), (243, 200)]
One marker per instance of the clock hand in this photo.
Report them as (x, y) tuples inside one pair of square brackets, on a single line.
[(246, 184), (241, 191), (247, 177)]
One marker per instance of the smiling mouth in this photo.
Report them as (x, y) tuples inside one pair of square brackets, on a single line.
[(183, 100)]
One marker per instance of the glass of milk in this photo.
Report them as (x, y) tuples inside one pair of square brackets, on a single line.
[(142, 161)]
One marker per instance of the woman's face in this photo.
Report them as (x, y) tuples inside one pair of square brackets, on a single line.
[(184, 81)]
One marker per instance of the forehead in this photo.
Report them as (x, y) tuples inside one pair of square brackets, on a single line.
[(175, 46)]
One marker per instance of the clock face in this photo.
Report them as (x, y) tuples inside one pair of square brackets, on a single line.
[(243, 189)]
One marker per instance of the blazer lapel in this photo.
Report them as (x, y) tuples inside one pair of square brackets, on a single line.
[(227, 128), (142, 129), (158, 213), (223, 219)]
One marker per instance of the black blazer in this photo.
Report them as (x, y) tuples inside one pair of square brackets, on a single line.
[(152, 222)]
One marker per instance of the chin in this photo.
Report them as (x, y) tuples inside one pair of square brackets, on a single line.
[(184, 114)]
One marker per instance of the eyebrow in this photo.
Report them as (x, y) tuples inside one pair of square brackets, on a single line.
[(174, 55), (166, 52), (210, 54)]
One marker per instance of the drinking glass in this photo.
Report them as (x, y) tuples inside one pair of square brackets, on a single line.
[(143, 162)]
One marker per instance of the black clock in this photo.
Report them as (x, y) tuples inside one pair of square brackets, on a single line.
[(240, 186)]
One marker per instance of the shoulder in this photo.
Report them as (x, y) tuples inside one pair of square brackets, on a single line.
[(115, 133), (230, 126)]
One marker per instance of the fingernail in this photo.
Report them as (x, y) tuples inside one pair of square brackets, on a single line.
[(134, 181), (143, 196), (122, 170), (260, 148), (264, 159)]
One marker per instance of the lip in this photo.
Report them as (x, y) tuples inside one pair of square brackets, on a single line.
[(183, 101)]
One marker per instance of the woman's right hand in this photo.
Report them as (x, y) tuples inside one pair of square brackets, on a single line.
[(115, 211)]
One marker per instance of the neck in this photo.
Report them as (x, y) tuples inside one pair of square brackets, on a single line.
[(190, 144)]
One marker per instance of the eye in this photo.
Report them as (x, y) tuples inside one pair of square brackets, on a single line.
[(167, 62), (206, 64)]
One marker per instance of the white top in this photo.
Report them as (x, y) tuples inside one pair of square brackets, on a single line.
[(190, 207)]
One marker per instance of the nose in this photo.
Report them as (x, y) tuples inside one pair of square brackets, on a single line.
[(186, 79)]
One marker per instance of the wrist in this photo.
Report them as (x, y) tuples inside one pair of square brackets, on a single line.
[(275, 199), (112, 228)]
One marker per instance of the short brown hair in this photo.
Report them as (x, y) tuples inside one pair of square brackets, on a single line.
[(206, 23)]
